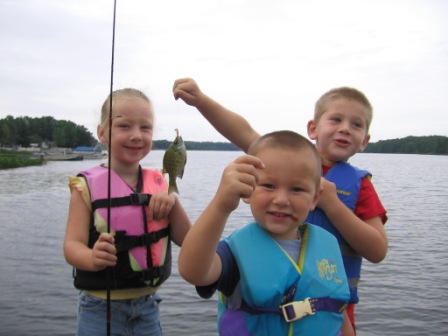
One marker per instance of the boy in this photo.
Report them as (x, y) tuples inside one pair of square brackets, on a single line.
[(349, 206), (277, 275)]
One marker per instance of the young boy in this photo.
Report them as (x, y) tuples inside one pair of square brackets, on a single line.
[(277, 275), (349, 206)]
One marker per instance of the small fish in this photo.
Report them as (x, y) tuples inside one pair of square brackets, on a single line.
[(174, 162)]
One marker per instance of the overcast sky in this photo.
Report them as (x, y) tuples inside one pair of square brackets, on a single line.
[(268, 60)]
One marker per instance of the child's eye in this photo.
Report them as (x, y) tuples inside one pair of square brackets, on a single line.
[(296, 189), (123, 125), (335, 119), (146, 128), (268, 186)]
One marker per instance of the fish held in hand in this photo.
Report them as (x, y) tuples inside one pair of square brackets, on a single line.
[(174, 162)]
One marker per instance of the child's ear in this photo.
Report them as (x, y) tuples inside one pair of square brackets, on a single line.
[(101, 133), (365, 142), (316, 197), (311, 128)]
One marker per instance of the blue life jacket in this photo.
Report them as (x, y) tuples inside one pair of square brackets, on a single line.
[(348, 183), (280, 296)]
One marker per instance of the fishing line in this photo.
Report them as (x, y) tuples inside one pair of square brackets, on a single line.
[(178, 108), (109, 269)]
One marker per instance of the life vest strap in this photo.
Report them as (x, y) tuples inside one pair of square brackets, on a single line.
[(295, 310), (154, 275), (132, 199), (125, 243)]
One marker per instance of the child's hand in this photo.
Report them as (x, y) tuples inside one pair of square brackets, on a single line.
[(103, 252), (238, 180), (329, 196), (187, 90), (161, 205)]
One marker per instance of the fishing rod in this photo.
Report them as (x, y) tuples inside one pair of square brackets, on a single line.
[(109, 269)]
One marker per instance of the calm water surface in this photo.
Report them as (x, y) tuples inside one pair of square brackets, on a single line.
[(406, 294)]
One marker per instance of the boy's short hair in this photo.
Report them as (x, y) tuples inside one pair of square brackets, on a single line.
[(343, 92), (287, 140)]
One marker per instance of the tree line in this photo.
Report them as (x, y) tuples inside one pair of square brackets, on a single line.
[(24, 131), (433, 144)]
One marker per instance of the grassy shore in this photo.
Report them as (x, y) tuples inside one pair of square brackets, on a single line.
[(16, 159)]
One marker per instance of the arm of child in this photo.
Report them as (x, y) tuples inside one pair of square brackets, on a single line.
[(347, 328), (231, 125), (76, 251), (368, 238), (179, 222), (198, 262)]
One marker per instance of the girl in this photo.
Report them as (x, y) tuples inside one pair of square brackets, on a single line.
[(144, 219)]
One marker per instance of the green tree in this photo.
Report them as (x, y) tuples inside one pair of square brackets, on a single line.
[(22, 131), (64, 134), (8, 131), (43, 128), (433, 144)]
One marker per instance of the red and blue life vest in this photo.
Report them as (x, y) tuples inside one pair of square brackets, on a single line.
[(143, 245), (348, 183)]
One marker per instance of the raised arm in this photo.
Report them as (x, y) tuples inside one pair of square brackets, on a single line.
[(198, 262), (231, 125)]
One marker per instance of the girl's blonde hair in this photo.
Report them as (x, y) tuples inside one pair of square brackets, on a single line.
[(126, 93)]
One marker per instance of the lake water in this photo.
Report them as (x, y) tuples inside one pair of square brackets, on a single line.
[(406, 294)]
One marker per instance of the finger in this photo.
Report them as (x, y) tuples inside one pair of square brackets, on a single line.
[(105, 247), (177, 93), (162, 210), (247, 174), (251, 160), (153, 208), (103, 260), (106, 237), (246, 191), (105, 255), (179, 81), (151, 212)]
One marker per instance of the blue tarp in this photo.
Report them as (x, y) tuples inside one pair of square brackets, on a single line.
[(87, 149)]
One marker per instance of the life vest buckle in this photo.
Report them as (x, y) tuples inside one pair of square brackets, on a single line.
[(295, 310), (139, 199)]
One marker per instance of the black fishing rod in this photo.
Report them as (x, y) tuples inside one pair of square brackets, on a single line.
[(109, 269)]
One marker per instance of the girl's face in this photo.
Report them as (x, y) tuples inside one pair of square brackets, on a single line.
[(132, 131), (286, 191), (341, 131)]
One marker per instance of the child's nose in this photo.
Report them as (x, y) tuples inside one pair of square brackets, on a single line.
[(345, 127), (136, 134), (281, 197)]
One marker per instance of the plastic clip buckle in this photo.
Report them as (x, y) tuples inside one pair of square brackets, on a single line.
[(299, 308), (139, 199)]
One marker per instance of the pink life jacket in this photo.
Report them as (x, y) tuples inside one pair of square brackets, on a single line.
[(143, 245)]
